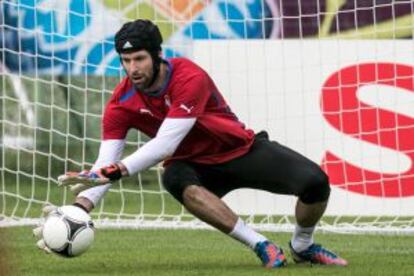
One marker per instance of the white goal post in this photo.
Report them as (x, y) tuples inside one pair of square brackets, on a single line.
[(333, 80)]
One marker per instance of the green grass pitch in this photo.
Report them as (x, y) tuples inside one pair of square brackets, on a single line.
[(204, 252)]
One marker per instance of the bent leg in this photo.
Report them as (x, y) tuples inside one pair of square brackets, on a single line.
[(313, 198), (275, 168), (186, 183), (212, 210)]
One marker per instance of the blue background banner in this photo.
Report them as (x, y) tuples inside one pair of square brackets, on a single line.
[(76, 36)]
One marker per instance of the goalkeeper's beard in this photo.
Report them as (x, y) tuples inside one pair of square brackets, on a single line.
[(148, 82), (144, 84)]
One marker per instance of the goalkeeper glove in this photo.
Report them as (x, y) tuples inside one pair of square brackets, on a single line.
[(37, 232), (102, 176)]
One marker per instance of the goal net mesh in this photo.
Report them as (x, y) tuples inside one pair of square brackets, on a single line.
[(331, 79)]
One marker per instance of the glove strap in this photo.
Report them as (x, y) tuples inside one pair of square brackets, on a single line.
[(80, 206), (113, 172)]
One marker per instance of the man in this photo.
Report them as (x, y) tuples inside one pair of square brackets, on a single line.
[(207, 150)]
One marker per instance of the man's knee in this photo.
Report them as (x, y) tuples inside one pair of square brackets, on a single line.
[(172, 186), (316, 187), (177, 177), (193, 193)]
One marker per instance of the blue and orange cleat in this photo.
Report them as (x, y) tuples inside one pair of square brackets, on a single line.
[(270, 255), (316, 254)]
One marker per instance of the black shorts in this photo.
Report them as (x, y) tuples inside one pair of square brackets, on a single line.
[(268, 166)]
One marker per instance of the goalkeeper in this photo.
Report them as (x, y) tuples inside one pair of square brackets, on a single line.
[(207, 151)]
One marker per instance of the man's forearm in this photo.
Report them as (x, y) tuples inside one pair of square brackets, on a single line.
[(163, 145)]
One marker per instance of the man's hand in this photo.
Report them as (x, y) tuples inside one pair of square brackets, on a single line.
[(38, 231), (46, 211), (86, 179), (79, 182)]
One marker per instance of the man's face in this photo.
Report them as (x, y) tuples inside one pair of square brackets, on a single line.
[(139, 68)]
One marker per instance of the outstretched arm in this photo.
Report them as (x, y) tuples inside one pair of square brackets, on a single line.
[(168, 138), (110, 151)]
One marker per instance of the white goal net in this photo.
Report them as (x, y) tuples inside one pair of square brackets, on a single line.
[(332, 79)]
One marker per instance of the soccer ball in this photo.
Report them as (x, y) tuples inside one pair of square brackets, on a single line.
[(68, 231)]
